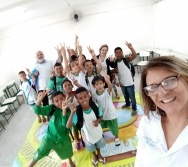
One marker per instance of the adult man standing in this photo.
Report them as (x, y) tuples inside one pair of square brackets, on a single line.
[(45, 67)]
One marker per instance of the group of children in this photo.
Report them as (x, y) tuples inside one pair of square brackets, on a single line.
[(82, 99)]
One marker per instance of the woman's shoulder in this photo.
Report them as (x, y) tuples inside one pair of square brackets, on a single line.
[(153, 117)]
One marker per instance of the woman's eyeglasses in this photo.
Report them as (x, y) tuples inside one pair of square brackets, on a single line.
[(168, 84)]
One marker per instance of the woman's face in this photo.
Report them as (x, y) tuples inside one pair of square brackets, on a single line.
[(67, 87), (171, 101), (103, 51)]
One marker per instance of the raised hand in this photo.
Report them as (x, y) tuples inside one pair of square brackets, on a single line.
[(52, 74), (91, 51), (62, 49), (73, 108), (42, 94), (129, 45), (111, 58), (58, 49), (106, 77)]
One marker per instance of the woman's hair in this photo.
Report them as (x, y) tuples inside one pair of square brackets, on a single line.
[(102, 46), (168, 63), (56, 93)]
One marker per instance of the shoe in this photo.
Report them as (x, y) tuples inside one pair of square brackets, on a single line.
[(95, 163), (117, 142), (103, 161), (134, 112), (125, 106)]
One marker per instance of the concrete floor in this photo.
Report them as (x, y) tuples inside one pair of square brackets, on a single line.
[(17, 129)]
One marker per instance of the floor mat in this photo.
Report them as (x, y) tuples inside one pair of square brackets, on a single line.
[(127, 130)]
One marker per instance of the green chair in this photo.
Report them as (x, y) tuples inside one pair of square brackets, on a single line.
[(8, 101), (4, 114)]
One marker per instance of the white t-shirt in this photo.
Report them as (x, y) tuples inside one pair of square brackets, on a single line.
[(44, 70), (90, 86), (80, 78), (104, 67), (104, 101), (124, 74), (152, 149), (30, 93), (92, 133)]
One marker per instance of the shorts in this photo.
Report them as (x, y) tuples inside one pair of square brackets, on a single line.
[(111, 124), (63, 149), (92, 147)]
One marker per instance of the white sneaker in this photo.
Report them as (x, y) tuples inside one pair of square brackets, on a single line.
[(117, 142)]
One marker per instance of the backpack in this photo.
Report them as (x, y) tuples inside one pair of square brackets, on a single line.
[(50, 116), (130, 66), (79, 113), (54, 89)]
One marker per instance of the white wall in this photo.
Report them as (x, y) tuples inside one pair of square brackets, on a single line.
[(111, 22), (171, 25)]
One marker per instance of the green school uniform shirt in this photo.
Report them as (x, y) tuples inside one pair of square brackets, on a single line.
[(56, 130), (59, 82)]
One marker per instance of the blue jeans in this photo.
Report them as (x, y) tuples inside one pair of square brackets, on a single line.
[(128, 93)]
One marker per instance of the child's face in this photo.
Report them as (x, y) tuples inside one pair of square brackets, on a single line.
[(58, 100), (75, 67), (23, 77), (83, 99), (67, 87), (89, 66), (99, 86), (58, 70)]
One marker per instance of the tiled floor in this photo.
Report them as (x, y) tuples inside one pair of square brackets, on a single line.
[(16, 131)]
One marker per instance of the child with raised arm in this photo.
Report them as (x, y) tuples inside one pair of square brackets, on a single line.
[(89, 69), (103, 97), (88, 118), (73, 71), (57, 135), (67, 89), (29, 89)]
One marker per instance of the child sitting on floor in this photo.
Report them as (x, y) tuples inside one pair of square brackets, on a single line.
[(103, 97), (57, 135), (87, 121)]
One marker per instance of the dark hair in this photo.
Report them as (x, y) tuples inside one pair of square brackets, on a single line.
[(117, 48), (87, 61), (66, 80), (73, 58), (81, 89), (56, 93), (21, 72), (97, 78), (57, 64)]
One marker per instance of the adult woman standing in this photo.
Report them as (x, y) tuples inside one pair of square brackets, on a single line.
[(163, 131)]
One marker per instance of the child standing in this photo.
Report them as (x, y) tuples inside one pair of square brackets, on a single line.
[(29, 89), (57, 135), (67, 88), (103, 96), (88, 118), (56, 79)]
